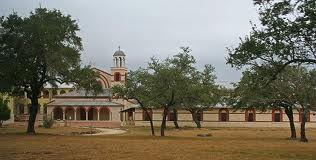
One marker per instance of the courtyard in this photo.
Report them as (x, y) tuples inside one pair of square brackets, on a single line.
[(136, 143)]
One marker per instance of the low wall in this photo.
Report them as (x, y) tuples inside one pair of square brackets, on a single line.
[(101, 124), (228, 124)]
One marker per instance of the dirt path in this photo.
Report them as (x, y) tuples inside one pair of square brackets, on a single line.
[(106, 131)]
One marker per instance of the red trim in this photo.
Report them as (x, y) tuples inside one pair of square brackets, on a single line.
[(308, 118), (247, 114), (227, 115), (281, 115)]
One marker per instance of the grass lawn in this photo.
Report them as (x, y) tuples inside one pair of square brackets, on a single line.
[(226, 143)]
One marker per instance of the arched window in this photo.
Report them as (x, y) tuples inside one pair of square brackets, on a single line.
[(250, 115), (117, 77), (146, 117), (223, 115), (62, 92), (277, 115), (45, 93), (308, 116)]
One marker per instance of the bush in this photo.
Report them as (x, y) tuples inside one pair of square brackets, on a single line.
[(4, 111), (48, 122)]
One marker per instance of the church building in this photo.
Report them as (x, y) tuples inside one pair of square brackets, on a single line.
[(70, 107)]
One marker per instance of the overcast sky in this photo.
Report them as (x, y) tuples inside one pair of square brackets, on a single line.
[(146, 28)]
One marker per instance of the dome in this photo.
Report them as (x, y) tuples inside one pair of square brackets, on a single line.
[(119, 53)]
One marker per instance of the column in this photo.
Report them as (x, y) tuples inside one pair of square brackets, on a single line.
[(87, 110), (98, 109), (52, 112), (64, 113), (75, 112)]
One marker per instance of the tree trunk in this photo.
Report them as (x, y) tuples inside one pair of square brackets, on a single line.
[(289, 113), (163, 123), (303, 136), (32, 115), (151, 122), (196, 121), (1, 121), (175, 118)]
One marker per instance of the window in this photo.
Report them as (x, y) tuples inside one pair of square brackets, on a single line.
[(171, 116), (301, 115), (146, 117), (117, 77), (223, 115), (199, 116), (250, 115), (277, 115)]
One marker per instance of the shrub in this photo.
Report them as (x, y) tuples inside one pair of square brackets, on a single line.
[(48, 122), (4, 111)]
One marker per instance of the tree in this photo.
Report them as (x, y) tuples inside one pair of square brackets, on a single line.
[(41, 49), (175, 79), (286, 36), (284, 92), (4, 111), (200, 93), (135, 88)]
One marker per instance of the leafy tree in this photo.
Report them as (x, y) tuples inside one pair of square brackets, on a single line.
[(286, 36), (175, 79), (41, 49), (4, 111), (135, 88), (284, 92), (200, 93)]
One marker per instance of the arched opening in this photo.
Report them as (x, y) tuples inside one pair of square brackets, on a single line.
[(117, 76), (146, 117), (45, 93), (70, 113), (121, 62), (223, 115), (104, 114), (81, 113), (250, 115), (62, 92), (277, 115), (308, 116), (54, 92), (92, 114), (58, 113)]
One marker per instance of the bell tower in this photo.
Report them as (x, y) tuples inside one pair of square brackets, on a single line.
[(119, 69)]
